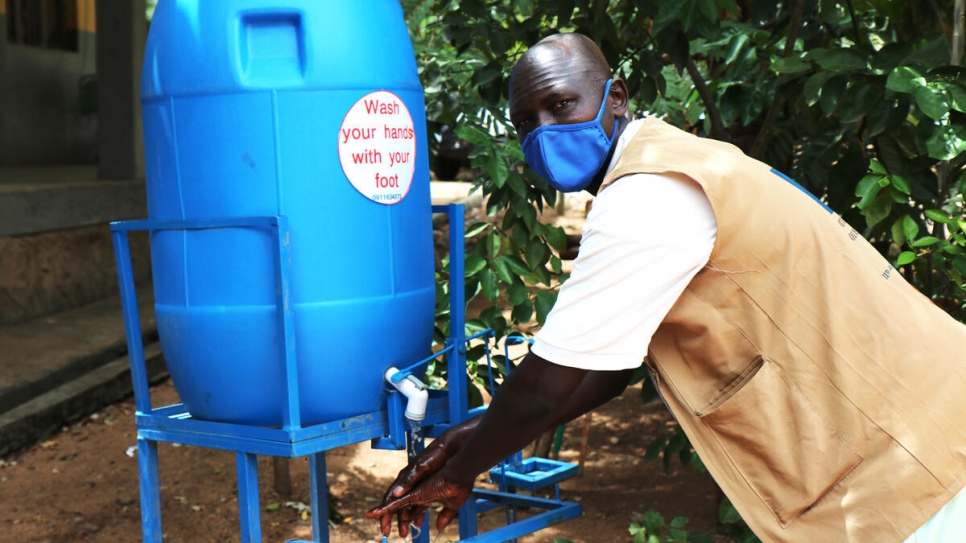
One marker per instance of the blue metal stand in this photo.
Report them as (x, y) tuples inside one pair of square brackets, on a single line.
[(385, 427)]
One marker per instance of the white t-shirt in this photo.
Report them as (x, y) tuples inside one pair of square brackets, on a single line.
[(645, 238)]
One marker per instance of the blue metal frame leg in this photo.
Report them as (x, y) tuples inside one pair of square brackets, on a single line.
[(248, 510), (319, 496), (150, 490)]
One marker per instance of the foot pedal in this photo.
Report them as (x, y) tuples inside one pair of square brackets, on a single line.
[(533, 473)]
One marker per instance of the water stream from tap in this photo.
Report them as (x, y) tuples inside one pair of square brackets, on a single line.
[(414, 445)]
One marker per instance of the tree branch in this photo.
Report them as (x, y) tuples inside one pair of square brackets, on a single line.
[(959, 27), (717, 125), (855, 24), (793, 25)]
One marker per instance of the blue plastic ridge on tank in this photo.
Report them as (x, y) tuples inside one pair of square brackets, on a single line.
[(242, 103)]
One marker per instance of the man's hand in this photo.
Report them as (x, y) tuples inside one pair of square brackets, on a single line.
[(423, 466), (435, 489)]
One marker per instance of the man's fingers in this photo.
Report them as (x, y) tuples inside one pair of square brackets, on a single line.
[(391, 507), (403, 521), (385, 523), (444, 518), (419, 515)]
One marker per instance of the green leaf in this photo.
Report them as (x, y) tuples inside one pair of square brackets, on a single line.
[(910, 230), (497, 169), (867, 189), (925, 241), (735, 46), (958, 94), (516, 264), (487, 74), (653, 518), (557, 238), (555, 264), (938, 215), (905, 79), (475, 229), (899, 183), (490, 284), (654, 449), (934, 101), (512, 149), (493, 242), (841, 60), (473, 264), (727, 514), (856, 101), (677, 536), (709, 9), (543, 276), (878, 210), (273, 507), (791, 65), (517, 184), (536, 252), (813, 87), (832, 91), (947, 142), (523, 312), (679, 522), (544, 303), (517, 294), (905, 257), (473, 135), (503, 271)]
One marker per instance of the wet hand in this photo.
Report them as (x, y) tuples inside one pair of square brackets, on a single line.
[(426, 464), (411, 505)]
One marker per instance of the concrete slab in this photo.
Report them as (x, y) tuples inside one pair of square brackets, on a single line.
[(40, 199), (41, 354), (43, 415)]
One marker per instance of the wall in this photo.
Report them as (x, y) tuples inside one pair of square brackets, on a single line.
[(43, 121)]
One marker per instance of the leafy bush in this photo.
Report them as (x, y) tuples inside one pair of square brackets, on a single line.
[(861, 101)]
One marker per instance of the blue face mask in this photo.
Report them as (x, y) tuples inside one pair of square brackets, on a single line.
[(568, 156)]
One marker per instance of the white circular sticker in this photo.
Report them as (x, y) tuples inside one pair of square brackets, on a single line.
[(377, 147)]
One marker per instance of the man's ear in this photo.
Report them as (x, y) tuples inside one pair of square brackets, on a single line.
[(618, 97)]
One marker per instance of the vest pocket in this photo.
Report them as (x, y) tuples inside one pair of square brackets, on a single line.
[(786, 452)]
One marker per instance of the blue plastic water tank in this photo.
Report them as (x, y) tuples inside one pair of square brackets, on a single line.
[(311, 110)]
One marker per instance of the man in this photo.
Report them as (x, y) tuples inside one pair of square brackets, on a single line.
[(823, 393)]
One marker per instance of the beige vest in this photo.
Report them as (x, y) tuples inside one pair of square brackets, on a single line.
[(825, 394)]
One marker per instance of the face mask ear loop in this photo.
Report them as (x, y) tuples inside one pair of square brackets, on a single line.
[(603, 108), (603, 103)]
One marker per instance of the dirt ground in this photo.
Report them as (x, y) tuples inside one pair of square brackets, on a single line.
[(82, 485)]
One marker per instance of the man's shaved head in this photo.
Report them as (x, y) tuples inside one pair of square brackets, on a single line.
[(579, 53)]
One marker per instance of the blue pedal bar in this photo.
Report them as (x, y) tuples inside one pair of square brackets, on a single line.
[(556, 512)]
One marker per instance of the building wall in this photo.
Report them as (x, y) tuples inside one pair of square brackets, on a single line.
[(46, 104), (55, 243)]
